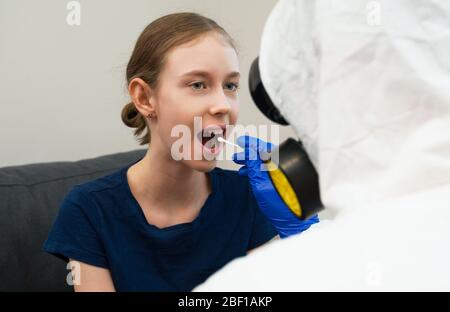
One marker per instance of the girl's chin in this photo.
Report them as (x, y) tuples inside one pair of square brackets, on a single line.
[(202, 165)]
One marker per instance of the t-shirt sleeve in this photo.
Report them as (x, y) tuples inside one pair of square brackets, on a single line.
[(262, 229), (74, 233)]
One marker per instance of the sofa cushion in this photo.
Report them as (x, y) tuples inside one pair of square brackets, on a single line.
[(29, 200)]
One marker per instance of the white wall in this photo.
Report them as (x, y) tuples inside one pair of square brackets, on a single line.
[(62, 87)]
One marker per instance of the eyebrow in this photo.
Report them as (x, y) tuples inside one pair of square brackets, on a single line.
[(208, 75)]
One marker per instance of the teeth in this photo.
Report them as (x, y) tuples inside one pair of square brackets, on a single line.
[(209, 132)]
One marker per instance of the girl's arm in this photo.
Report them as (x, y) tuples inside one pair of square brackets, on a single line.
[(91, 278)]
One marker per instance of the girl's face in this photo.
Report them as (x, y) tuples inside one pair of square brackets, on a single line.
[(200, 79)]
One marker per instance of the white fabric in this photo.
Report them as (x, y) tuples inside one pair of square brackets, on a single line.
[(369, 96)]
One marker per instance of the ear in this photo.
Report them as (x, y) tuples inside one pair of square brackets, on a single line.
[(142, 96)]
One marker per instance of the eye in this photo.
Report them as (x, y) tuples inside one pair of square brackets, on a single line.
[(195, 86), (234, 86)]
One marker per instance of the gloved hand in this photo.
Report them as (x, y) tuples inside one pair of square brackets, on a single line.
[(270, 203)]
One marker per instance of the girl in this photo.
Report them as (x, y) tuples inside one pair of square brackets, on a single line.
[(161, 224)]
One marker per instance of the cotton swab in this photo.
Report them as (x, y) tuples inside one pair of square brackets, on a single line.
[(265, 156), (220, 139)]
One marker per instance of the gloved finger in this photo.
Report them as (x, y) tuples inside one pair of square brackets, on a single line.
[(243, 171), (239, 158), (244, 157), (255, 143)]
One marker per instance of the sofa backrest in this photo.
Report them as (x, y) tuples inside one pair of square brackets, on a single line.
[(29, 200)]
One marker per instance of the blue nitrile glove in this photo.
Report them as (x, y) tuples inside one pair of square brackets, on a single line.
[(270, 203)]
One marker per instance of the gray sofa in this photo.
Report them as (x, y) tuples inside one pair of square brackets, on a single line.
[(29, 200)]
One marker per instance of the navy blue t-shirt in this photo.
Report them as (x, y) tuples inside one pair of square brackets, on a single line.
[(101, 223)]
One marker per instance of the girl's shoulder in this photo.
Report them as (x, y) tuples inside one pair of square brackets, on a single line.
[(108, 181)]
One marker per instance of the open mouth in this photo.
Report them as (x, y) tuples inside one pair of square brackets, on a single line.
[(209, 135)]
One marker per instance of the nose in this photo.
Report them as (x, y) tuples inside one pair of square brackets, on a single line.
[(220, 104)]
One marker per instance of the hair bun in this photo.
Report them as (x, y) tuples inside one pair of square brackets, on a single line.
[(130, 116)]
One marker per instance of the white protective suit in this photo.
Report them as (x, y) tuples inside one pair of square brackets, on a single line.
[(366, 86)]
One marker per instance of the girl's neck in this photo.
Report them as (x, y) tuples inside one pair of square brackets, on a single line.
[(170, 186)]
